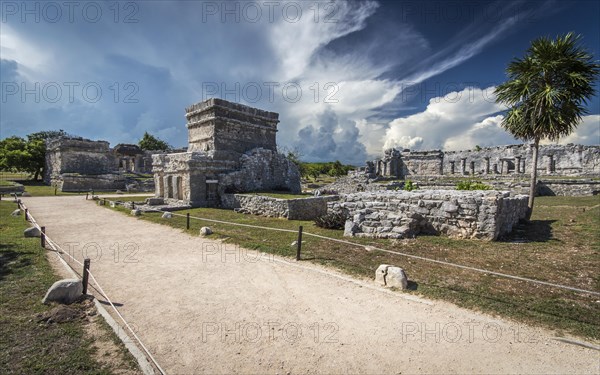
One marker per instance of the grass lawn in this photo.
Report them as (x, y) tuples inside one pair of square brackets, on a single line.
[(560, 245), (31, 346)]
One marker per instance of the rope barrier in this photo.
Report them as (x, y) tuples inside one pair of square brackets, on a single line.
[(499, 274), (60, 251)]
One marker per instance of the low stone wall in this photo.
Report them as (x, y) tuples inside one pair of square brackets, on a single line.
[(569, 188), (75, 182), (459, 214), (11, 189), (291, 209)]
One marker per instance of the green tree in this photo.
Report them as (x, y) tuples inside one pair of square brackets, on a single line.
[(546, 93), (20, 155), (150, 142)]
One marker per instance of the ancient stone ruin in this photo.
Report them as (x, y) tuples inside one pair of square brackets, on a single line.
[(231, 149), (553, 160), (78, 164), (459, 214)]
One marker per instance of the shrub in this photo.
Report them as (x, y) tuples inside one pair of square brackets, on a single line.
[(472, 185), (331, 220), (410, 186)]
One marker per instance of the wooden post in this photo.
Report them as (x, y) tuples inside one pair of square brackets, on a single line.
[(26, 210), (55, 190), (43, 237), (299, 248), (132, 205), (86, 196), (86, 274), (187, 220)]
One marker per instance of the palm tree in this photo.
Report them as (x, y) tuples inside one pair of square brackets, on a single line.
[(546, 92)]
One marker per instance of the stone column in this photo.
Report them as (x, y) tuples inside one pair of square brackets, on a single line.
[(472, 168), (495, 168), (176, 187), (487, 165), (550, 165), (502, 166), (452, 167), (518, 165), (168, 186), (463, 166)]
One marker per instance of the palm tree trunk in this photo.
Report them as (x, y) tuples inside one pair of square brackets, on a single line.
[(533, 181)]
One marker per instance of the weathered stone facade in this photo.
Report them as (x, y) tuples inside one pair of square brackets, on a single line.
[(553, 160), (460, 214), (232, 149), (308, 208), (78, 164)]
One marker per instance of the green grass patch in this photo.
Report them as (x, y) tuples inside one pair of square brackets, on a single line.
[(28, 346), (560, 245)]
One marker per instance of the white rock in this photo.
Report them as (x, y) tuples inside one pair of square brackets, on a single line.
[(113, 204), (26, 194), (205, 231), (167, 215), (31, 232), (16, 212), (136, 212), (350, 228), (391, 276), (380, 274), (64, 291), (396, 277)]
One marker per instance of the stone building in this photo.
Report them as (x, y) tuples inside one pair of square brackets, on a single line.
[(553, 160), (79, 164), (232, 149)]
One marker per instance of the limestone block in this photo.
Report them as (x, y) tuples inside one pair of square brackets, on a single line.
[(205, 231), (32, 232), (396, 278), (64, 291), (136, 212), (350, 228), (167, 215)]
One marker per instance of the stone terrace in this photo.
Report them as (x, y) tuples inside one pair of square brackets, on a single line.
[(459, 214)]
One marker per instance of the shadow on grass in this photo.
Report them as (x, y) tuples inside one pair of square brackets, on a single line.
[(531, 231), (11, 260)]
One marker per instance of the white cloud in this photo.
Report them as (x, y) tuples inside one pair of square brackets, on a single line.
[(586, 133), (458, 120)]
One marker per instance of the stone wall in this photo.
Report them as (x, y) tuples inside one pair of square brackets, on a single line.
[(72, 182), (459, 214), (291, 209), (229, 129), (76, 155), (553, 160), (262, 170), (570, 188)]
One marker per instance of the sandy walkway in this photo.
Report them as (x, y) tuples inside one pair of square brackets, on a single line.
[(202, 310)]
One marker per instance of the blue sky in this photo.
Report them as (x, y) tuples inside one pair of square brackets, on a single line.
[(348, 78)]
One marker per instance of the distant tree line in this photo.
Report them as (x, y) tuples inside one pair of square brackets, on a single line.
[(28, 154), (314, 170)]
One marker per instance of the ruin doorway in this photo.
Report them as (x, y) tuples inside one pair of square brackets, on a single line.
[(212, 195)]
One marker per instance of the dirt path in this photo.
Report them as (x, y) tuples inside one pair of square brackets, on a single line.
[(205, 307)]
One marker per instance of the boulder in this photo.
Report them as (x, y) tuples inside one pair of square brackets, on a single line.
[(136, 212), (380, 274), (26, 194), (113, 204), (167, 215), (396, 278), (16, 212), (64, 291), (391, 276), (205, 231), (31, 232)]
